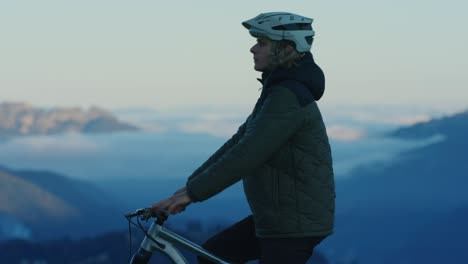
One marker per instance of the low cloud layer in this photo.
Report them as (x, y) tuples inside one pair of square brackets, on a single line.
[(344, 123), (46, 145)]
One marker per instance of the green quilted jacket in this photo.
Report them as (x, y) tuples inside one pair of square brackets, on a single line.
[(283, 156)]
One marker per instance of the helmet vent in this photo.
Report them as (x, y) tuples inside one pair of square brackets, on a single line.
[(296, 26), (309, 39)]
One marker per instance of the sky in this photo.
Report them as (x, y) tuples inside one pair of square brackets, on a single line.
[(185, 54)]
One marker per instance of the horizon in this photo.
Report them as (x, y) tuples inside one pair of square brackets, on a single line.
[(191, 137), (344, 123)]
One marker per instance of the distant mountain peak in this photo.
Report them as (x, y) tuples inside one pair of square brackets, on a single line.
[(21, 119), (14, 105), (451, 127)]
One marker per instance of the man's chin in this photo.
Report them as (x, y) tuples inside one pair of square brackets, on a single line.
[(259, 69)]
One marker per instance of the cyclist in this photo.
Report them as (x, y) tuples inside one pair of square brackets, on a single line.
[(281, 153)]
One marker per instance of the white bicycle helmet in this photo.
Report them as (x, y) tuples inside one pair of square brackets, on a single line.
[(283, 26)]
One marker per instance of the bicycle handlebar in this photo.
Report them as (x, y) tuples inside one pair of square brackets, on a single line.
[(160, 239), (147, 213)]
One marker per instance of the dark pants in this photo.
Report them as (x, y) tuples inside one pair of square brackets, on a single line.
[(238, 244)]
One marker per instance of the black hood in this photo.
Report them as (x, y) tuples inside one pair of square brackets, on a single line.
[(305, 72)]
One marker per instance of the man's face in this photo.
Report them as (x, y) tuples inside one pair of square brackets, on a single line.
[(261, 53)]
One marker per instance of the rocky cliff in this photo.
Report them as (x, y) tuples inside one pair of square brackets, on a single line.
[(22, 119)]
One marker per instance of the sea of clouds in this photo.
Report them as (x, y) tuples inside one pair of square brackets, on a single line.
[(173, 144)]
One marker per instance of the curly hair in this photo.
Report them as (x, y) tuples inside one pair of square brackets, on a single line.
[(281, 56)]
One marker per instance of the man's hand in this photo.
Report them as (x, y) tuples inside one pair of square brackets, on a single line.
[(174, 204)]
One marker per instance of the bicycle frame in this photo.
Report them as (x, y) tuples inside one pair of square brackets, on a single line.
[(164, 241)]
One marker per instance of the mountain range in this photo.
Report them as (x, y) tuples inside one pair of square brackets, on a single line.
[(22, 119), (413, 209), (453, 127), (47, 205)]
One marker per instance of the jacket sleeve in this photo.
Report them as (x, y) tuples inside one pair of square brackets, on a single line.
[(279, 117), (227, 145)]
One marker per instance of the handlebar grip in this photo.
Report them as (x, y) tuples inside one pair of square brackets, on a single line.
[(145, 212)]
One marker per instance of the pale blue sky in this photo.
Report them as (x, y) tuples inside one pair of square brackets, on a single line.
[(177, 54)]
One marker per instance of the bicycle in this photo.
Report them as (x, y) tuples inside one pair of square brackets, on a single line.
[(158, 238)]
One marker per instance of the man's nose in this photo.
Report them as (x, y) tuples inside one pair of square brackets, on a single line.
[(252, 49)]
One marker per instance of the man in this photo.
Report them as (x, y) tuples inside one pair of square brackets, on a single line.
[(281, 153)]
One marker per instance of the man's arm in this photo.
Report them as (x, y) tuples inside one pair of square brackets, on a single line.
[(231, 142), (278, 119)]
